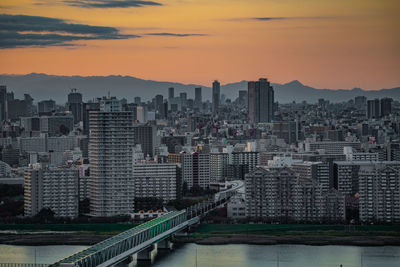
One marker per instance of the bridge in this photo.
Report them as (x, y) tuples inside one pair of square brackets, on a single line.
[(118, 250)]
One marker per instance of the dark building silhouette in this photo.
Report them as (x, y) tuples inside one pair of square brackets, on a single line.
[(74, 105), (3, 102), (260, 101), (46, 107), (171, 92), (183, 97), (138, 101), (198, 98), (174, 143), (373, 109), (360, 102), (386, 106), (215, 96), (145, 135), (159, 107)]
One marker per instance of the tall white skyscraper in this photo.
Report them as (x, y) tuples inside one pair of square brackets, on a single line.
[(110, 154)]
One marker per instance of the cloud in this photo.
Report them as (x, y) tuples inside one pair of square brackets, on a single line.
[(175, 34), (279, 18), (110, 3), (24, 31), (269, 18)]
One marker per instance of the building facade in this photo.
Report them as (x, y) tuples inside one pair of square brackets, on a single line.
[(111, 144)]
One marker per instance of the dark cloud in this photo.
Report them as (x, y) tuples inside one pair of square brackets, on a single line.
[(278, 18), (110, 3), (23, 31), (175, 34), (269, 18)]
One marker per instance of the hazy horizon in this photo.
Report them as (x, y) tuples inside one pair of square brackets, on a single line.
[(197, 84)]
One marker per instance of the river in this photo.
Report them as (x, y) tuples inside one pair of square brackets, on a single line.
[(233, 255)]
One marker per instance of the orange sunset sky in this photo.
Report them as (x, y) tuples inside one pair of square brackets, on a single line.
[(324, 44)]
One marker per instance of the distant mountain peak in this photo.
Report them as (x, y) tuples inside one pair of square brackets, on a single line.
[(294, 83)]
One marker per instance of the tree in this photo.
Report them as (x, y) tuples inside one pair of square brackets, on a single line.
[(84, 206), (45, 215)]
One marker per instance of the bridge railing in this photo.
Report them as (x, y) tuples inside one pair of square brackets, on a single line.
[(123, 242)]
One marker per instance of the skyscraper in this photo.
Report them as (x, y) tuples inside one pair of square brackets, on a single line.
[(3, 102), (260, 101), (215, 96), (386, 106), (183, 97), (75, 105), (170, 92), (159, 106), (197, 98), (110, 154), (145, 135), (373, 109), (360, 102)]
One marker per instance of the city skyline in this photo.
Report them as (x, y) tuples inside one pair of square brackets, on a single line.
[(206, 133), (315, 42)]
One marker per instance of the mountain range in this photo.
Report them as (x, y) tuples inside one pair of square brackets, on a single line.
[(43, 86)]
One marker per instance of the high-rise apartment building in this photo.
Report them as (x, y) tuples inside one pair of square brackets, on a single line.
[(280, 194), (53, 188), (161, 181), (195, 168), (111, 142), (260, 101), (219, 166), (379, 196), (318, 171), (215, 96)]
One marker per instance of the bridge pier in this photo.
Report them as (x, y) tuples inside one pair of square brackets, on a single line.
[(165, 244), (126, 262), (146, 254)]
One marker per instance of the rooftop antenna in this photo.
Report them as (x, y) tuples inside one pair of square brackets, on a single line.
[(109, 95)]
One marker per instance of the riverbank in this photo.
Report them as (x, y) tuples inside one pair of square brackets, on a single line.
[(211, 234), (252, 239), (38, 239), (313, 240)]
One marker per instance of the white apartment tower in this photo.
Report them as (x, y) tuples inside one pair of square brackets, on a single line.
[(111, 143)]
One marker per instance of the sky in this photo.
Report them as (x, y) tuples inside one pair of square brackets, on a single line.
[(338, 44)]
